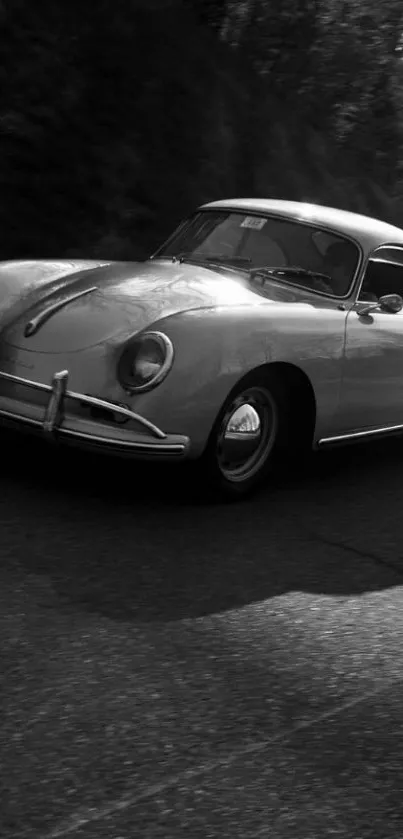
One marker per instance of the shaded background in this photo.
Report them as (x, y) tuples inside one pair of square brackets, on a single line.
[(118, 117)]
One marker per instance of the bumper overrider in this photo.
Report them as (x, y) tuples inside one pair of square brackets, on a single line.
[(138, 437)]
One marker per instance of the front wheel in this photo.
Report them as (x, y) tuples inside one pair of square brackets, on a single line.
[(246, 437)]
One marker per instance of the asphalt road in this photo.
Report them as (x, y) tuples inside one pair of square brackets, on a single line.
[(171, 668)]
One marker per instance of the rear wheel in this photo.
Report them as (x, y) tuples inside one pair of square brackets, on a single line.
[(252, 427)]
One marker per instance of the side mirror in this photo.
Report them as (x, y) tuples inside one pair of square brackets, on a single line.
[(392, 303)]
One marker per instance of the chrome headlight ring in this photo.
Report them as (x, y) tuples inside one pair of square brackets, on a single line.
[(145, 362)]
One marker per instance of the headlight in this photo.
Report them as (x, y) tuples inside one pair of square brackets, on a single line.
[(145, 361)]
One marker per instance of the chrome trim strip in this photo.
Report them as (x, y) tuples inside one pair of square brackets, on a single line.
[(152, 448), (117, 409), (359, 435), (35, 323), (19, 381), (164, 448), (89, 400), (17, 417)]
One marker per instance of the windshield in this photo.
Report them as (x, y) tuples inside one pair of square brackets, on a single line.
[(300, 251)]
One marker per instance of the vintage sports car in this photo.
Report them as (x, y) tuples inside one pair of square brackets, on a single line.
[(258, 327)]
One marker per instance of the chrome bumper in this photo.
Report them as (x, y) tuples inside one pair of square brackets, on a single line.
[(149, 442)]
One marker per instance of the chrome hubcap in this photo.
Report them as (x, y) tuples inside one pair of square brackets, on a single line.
[(244, 422), (247, 434)]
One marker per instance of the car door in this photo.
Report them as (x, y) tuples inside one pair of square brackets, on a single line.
[(372, 385)]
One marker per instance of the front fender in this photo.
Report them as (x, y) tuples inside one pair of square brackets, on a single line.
[(24, 282), (215, 348)]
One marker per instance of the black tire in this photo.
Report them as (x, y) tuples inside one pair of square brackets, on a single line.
[(266, 394)]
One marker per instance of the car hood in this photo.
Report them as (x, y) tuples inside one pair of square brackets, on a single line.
[(76, 305)]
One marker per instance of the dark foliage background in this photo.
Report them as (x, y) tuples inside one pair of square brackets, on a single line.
[(119, 116)]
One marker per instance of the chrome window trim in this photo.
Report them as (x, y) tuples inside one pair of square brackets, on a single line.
[(370, 256), (283, 217)]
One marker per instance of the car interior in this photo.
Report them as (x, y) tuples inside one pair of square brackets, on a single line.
[(381, 277)]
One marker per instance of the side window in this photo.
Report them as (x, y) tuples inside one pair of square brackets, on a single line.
[(384, 275)]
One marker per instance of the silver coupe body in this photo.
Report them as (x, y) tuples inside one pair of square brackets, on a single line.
[(257, 325)]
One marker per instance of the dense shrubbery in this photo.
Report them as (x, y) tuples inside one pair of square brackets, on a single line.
[(117, 117)]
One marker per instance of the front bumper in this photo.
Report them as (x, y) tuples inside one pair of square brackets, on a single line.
[(138, 437)]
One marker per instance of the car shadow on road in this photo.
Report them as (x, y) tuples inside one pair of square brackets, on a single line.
[(136, 543)]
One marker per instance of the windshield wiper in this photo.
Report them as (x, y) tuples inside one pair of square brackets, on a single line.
[(288, 271), (216, 258), (244, 262)]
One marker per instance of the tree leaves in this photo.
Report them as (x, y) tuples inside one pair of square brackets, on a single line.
[(117, 119)]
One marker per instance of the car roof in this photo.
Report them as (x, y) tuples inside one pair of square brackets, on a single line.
[(351, 224)]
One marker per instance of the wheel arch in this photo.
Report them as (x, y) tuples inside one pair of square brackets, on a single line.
[(301, 392), (298, 388)]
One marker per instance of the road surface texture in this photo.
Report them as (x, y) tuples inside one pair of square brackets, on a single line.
[(171, 668)]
